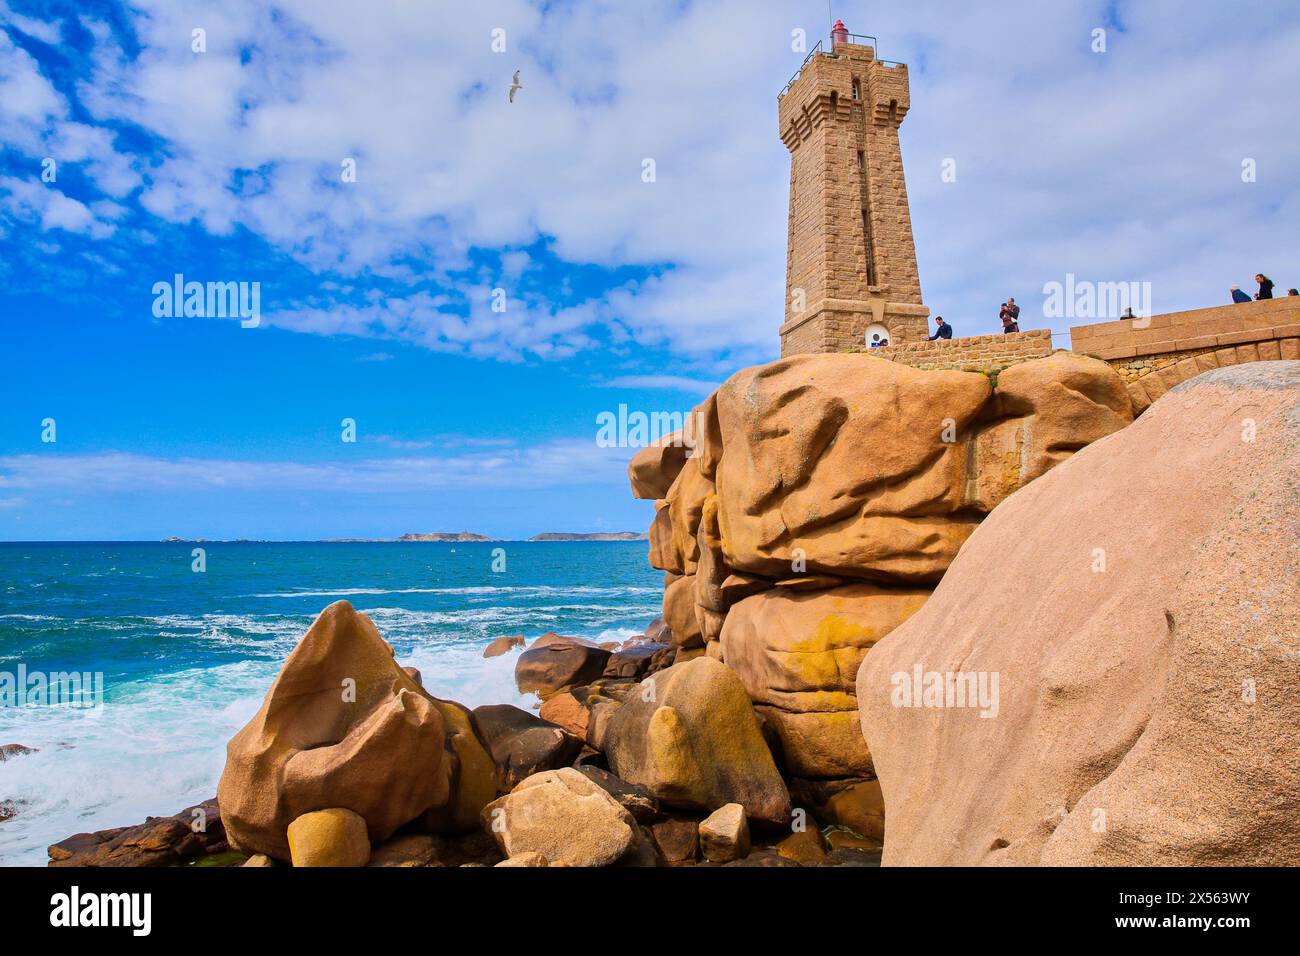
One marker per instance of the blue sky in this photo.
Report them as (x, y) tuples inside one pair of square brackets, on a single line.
[(376, 295)]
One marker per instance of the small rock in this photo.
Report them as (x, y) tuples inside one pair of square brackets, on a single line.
[(531, 858), (334, 837), (14, 750), (7, 810), (855, 804), (841, 839), (614, 688), (159, 841), (806, 848), (503, 645), (632, 663), (477, 847), (601, 711), (564, 816), (657, 632), (558, 665), (638, 801), (642, 852), (853, 857), (566, 711), (662, 659), (416, 849), (678, 841), (523, 744), (762, 858), (550, 637), (259, 860), (724, 834)]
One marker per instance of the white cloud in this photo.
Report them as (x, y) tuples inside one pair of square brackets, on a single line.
[(35, 119), (1124, 165), (47, 32), (556, 464), (679, 383), (28, 200)]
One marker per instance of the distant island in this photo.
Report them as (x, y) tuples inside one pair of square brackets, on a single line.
[(590, 536), (437, 536)]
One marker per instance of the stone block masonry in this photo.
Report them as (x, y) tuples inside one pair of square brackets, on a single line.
[(1153, 354), (851, 259), (976, 353)]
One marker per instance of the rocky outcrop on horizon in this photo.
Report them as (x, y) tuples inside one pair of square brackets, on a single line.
[(1139, 608)]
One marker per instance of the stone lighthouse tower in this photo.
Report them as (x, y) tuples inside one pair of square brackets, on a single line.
[(851, 275)]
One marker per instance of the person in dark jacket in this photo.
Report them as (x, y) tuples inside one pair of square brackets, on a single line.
[(942, 330), (1265, 286), (1010, 316), (1239, 296)]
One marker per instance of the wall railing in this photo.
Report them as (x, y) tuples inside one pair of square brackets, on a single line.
[(853, 38)]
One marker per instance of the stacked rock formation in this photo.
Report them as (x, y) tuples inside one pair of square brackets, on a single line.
[(823, 498), (1142, 623), (350, 762), (344, 726)]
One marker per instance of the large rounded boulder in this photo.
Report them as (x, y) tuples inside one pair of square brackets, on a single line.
[(690, 736), (1106, 675), (798, 654)]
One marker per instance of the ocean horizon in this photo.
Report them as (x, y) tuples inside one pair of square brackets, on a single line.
[(187, 656)]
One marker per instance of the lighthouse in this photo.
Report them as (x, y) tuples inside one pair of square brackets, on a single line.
[(851, 275)]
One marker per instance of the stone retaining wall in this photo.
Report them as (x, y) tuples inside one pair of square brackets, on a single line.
[(1155, 353), (982, 353)]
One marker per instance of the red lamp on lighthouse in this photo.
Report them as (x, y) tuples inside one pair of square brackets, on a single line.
[(839, 34)]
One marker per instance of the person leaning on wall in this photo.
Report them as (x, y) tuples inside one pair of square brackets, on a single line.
[(942, 330)]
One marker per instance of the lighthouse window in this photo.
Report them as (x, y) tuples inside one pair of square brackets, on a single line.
[(835, 100), (860, 161), (857, 88)]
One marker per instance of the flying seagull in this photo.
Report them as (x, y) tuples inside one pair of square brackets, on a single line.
[(515, 86)]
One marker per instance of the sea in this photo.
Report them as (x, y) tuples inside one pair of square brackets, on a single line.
[(186, 656)]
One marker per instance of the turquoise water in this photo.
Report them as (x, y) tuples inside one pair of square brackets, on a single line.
[(187, 657)]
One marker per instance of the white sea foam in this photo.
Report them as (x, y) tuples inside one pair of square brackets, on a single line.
[(156, 747), (519, 589)]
